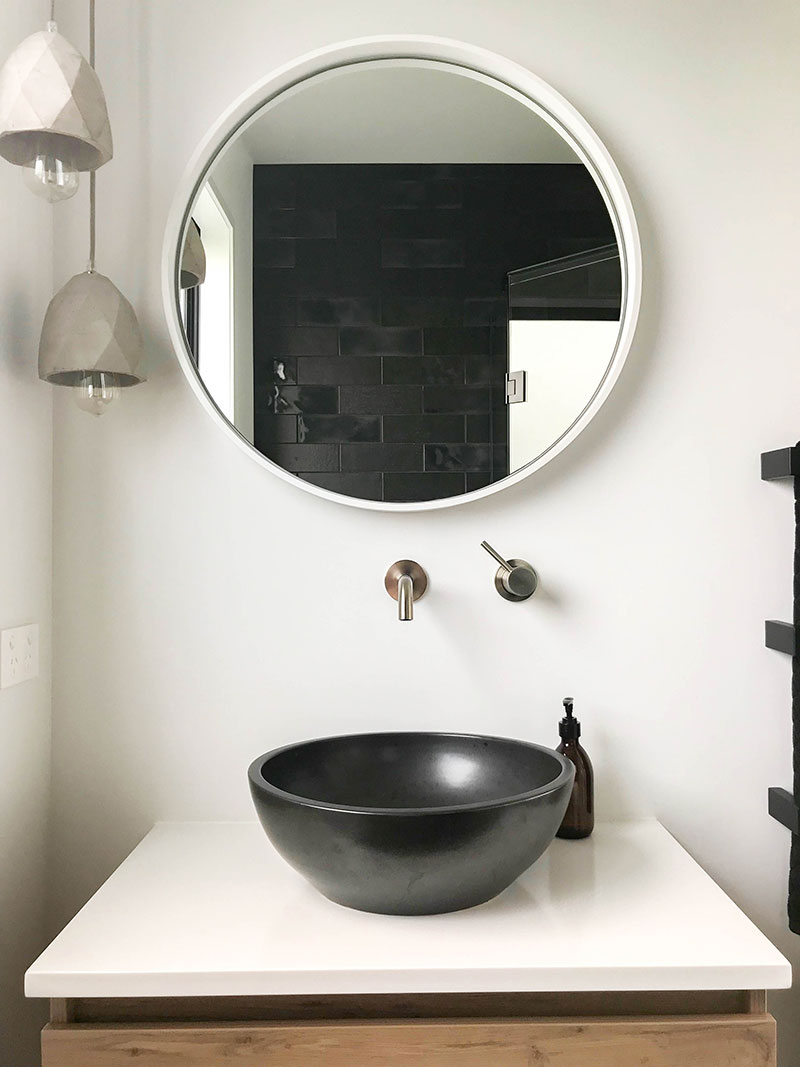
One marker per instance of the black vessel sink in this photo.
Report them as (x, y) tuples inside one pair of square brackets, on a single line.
[(411, 823)]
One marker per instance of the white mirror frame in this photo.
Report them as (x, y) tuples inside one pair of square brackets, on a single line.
[(542, 99)]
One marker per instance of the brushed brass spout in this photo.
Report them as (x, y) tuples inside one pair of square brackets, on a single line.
[(405, 598), (406, 582)]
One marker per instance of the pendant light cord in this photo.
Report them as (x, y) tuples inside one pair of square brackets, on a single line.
[(92, 175), (52, 10), (92, 219)]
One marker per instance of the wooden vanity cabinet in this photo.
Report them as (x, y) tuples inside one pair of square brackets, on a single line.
[(656, 1029)]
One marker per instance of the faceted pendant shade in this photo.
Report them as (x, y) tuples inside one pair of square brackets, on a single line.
[(90, 327), (193, 260), (51, 99)]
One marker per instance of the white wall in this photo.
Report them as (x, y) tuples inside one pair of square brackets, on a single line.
[(208, 611), (401, 114), (216, 341), (232, 182), (26, 444), (564, 361)]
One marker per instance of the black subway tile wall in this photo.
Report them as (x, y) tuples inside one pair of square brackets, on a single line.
[(358, 370), (379, 314), (335, 429)]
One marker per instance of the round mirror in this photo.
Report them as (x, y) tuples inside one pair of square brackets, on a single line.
[(399, 280)]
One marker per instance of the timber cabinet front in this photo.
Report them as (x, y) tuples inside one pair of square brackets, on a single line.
[(662, 1029)]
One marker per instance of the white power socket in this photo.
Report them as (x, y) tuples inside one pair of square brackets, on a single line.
[(19, 655)]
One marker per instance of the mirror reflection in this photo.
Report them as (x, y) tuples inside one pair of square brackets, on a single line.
[(400, 283)]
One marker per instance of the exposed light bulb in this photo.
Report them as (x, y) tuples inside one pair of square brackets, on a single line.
[(51, 177), (95, 392)]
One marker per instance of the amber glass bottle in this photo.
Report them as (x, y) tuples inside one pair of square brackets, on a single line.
[(579, 818)]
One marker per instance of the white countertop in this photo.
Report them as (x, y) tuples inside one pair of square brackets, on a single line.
[(210, 909)]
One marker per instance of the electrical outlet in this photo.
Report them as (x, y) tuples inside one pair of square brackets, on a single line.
[(19, 655)]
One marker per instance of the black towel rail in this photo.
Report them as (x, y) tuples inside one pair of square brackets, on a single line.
[(783, 636)]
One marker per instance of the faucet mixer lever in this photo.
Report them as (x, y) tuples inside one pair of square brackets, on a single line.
[(516, 579), (406, 582)]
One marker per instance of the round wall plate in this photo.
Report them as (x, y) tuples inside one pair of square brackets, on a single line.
[(515, 598), (417, 575)]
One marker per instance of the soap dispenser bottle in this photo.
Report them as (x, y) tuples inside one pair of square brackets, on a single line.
[(579, 818)]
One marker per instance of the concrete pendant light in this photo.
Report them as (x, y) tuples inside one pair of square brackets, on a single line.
[(193, 259), (90, 337), (53, 116)]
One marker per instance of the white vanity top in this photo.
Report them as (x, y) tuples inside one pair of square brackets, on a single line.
[(210, 909)]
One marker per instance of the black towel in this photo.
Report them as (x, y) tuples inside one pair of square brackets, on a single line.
[(794, 859)]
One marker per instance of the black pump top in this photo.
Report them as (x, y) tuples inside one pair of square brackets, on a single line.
[(569, 728)]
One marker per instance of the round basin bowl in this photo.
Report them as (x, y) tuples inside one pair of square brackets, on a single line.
[(411, 823)]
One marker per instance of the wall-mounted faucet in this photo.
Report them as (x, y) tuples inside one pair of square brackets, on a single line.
[(406, 582), (516, 579)]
